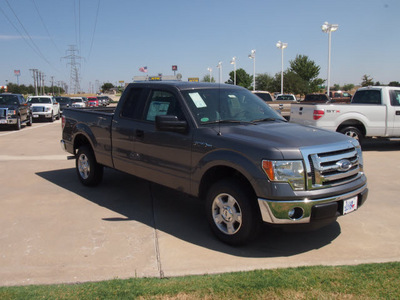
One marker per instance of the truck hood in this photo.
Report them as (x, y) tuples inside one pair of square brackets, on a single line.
[(283, 138)]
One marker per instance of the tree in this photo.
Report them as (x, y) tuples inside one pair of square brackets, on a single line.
[(106, 86), (348, 87), (394, 83), (242, 78), (206, 78), (367, 80), (308, 71), (265, 82)]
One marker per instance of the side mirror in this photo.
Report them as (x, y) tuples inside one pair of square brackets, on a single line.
[(170, 123)]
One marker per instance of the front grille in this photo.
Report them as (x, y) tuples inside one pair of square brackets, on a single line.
[(332, 166), (38, 108)]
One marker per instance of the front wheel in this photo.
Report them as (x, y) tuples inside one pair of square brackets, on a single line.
[(18, 124), (90, 173), (353, 132), (231, 212)]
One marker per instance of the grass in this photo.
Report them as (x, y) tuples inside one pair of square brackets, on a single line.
[(368, 281)]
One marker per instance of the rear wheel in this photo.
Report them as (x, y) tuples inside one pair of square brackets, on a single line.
[(90, 173), (353, 132), (231, 212), (30, 120)]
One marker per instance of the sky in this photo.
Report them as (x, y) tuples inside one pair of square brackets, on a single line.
[(114, 38)]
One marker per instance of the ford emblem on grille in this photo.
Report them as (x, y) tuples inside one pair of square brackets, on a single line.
[(344, 165)]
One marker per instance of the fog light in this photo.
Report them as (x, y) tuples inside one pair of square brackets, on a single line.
[(296, 213)]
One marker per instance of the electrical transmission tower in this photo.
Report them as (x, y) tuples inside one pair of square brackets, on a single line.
[(73, 61)]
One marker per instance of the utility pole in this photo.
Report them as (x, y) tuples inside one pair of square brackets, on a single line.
[(73, 59), (34, 74)]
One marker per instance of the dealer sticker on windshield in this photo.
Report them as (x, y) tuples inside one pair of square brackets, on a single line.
[(350, 205)]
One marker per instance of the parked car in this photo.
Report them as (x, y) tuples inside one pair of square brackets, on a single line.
[(282, 103), (64, 102), (316, 98), (373, 112), (93, 101), (340, 97), (14, 111), (78, 102), (44, 107), (105, 100), (226, 146)]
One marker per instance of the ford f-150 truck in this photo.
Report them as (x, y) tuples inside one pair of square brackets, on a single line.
[(14, 111), (226, 146), (373, 112)]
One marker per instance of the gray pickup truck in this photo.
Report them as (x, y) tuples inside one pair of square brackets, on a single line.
[(225, 146)]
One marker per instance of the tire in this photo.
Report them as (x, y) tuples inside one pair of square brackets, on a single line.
[(353, 132), (30, 120), (52, 117), (232, 213), (18, 124), (58, 116), (90, 173)]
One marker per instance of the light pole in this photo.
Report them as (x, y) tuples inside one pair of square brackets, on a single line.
[(233, 62), (329, 28), (219, 66), (281, 46), (210, 70), (253, 57)]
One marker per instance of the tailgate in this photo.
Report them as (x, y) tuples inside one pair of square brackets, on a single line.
[(305, 114)]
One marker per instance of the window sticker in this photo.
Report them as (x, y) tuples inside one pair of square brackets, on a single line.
[(197, 100)]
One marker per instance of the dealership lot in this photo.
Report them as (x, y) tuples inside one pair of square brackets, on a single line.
[(54, 230)]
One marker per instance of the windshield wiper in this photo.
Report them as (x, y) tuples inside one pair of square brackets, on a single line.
[(224, 122)]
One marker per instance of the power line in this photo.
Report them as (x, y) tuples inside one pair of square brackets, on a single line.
[(45, 27), (94, 30), (34, 47)]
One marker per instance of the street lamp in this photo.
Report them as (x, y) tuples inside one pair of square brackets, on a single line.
[(253, 57), (210, 70), (329, 28), (281, 46), (219, 66), (233, 62)]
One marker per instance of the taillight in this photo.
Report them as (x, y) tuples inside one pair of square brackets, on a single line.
[(318, 114), (63, 122)]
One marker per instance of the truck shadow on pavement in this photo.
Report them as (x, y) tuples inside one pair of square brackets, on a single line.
[(381, 145), (181, 216)]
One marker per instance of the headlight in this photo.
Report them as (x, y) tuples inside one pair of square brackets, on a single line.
[(359, 154), (290, 171), (12, 112), (48, 109)]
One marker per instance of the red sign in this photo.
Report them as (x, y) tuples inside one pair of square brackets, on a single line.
[(174, 68)]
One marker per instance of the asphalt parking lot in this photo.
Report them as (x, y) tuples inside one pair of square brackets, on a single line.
[(54, 230)]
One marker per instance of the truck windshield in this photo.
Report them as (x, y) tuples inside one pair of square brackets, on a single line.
[(39, 100), (228, 105), (8, 100)]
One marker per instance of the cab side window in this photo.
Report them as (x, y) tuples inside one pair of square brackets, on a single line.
[(395, 98), (162, 103), (130, 109)]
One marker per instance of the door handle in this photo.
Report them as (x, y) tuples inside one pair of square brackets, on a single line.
[(397, 112)]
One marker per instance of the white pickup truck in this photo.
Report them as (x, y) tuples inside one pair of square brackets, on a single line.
[(373, 112)]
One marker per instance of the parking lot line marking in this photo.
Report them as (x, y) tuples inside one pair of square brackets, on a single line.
[(32, 157), (28, 128)]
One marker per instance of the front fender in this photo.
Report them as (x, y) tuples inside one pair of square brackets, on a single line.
[(249, 169)]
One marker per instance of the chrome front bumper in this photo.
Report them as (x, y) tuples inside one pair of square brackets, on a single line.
[(277, 212)]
